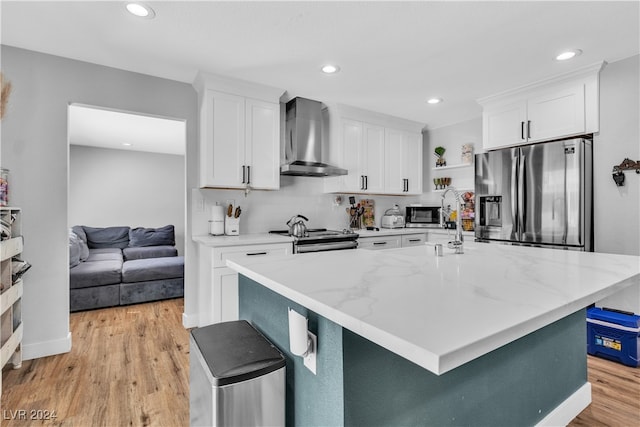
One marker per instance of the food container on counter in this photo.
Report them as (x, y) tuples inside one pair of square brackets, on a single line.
[(4, 187)]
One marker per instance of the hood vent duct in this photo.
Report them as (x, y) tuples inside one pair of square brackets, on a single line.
[(303, 141)]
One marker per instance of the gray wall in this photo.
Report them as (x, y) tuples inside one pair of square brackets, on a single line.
[(35, 148), (109, 187), (617, 209)]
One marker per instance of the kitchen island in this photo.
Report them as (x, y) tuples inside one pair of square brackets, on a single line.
[(494, 336)]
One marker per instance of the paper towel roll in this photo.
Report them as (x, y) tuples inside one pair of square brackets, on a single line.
[(217, 213), (298, 338)]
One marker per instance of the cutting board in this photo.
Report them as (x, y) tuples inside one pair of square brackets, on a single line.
[(368, 217)]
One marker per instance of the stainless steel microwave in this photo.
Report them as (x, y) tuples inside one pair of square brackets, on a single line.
[(422, 216)]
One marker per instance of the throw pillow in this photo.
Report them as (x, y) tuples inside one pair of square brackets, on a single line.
[(141, 236), (79, 230), (107, 237), (74, 249)]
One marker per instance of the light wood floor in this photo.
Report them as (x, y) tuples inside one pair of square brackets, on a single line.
[(129, 366)]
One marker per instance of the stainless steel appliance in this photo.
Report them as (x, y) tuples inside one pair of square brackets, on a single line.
[(321, 239), (539, 195), (422, 216), (303, 141)]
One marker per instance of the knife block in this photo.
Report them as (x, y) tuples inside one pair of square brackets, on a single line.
[(232, 226)]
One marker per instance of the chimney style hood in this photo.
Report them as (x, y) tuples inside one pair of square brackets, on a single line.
[(303, 141)]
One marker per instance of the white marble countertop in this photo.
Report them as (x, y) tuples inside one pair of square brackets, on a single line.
[(241, 240), (442, 312)]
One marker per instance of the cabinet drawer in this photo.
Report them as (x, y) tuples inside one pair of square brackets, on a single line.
[(382, 242), (414, 240), (221, 255)]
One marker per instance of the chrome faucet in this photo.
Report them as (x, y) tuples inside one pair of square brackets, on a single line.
[(457, 242)]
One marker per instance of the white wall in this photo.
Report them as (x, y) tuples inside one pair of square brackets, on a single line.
[(35, 148), (452, 138), (617, 209), (270, 210), (109, 187)]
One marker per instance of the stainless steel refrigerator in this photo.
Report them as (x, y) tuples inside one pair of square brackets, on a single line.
[(539, 195)]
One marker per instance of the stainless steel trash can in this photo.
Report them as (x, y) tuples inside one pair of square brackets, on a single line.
[(237, 377)]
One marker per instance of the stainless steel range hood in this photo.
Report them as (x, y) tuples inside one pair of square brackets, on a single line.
[(303, 141)]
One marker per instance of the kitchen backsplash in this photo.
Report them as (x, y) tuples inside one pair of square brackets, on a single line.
[(270, 210)]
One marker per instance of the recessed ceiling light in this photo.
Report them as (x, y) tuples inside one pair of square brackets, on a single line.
[(330, 69), (434, 100), (141, 10), (568, 54), (127, 144)]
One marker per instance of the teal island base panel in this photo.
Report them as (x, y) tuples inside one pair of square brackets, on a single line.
[(359, 383)]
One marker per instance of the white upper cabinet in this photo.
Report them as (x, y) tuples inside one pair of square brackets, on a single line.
[(239, 133), (562, 106), (403, 162), (373, 165), (383, 154)]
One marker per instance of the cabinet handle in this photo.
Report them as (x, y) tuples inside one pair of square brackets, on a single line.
[(406, 185), (243, 174), (248, 174), (521, 130), (379, 243), (362, 182), (529, 129), (256, 253), (366, 182), (414, 240)]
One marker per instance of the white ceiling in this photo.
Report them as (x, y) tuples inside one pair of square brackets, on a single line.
[(393, 55), (98, 127)]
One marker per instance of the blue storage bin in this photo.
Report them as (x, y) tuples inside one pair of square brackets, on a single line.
[(614, 336)]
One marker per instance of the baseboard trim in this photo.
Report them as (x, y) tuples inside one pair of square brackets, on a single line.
[(570, 408), (46, 348), (189, 320)]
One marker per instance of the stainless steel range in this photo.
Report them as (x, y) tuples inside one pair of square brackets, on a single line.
[(317, 240)]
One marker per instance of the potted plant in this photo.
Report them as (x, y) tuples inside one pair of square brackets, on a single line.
[(439, 153)]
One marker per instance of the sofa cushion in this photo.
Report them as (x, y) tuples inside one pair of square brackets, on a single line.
[(88, 274), (107, 237), (141, 236), (141, 270), (143, 252), (79, 230), (94, 297), (74, 249), (133, 293), (105, 254)]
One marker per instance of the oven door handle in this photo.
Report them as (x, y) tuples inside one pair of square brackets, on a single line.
[(318, 247)]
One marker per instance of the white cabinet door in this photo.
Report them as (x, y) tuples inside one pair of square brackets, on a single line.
[(373, 146), (395, 153), (222, 148), (379, 242), (225, 294), (263, 144), (557, 113), (351, 134), (414, 240), (403, 162), (412, 162), (504, 125)]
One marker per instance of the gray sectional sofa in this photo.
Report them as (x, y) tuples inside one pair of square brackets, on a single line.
[(112, 266)]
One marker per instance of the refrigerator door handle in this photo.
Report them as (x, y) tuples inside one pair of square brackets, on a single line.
[(514, 196), (522, 193)]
